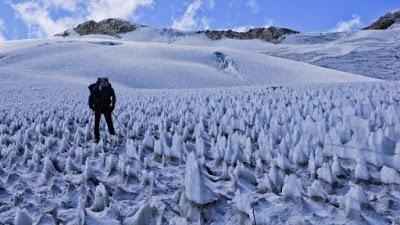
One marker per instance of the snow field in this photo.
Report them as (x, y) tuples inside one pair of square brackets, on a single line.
[(160, 65), (369, 53), (216, 156), (372, 53)]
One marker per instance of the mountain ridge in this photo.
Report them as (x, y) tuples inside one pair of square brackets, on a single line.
[(115, 27), (389, 20)]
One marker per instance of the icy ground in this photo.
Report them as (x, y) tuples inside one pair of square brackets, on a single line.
[(217, 132), (242, 155)]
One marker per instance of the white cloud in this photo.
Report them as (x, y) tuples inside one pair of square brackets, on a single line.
[(101, 9), (349, 25), (2, 27), (36, 14), (191, 19), (253, 5), (211, 4), (188, 20), (36, 17), (69, 5)]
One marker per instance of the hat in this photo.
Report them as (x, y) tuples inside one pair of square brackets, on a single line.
[(104, 79)]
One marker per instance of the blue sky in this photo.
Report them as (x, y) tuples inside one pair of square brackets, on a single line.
[(21, 19)]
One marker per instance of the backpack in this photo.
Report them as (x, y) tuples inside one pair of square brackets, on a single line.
[(91, 95)]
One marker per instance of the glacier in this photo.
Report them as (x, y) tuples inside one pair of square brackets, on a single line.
[(222, 132)]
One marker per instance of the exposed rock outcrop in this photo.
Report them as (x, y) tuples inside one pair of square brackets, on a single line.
[(386, 21), (114, 27), (271, 34), (110, 26)]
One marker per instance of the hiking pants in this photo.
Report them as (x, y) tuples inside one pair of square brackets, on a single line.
[(108, 116)]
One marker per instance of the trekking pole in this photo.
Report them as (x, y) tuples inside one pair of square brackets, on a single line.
[(120, 125), (254, 215)]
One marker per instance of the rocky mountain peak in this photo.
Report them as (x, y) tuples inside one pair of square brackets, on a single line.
[(110, 26), (115, 27), (387, 21), (271, 34)]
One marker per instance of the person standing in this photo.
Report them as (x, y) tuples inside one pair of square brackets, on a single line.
[(102, 101)]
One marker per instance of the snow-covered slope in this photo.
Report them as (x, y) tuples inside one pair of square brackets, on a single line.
[(370, 53), (161, 65)]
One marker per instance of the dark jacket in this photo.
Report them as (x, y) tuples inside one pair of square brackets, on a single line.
[(101, 100)]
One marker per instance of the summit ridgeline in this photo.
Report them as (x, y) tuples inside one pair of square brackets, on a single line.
[(117, 27)]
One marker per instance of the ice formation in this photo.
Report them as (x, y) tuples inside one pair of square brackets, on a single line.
[(193, 156), (292, 187), (389, 176), (196, 187)]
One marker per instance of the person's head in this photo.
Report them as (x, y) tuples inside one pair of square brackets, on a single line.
[(104, 81)]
